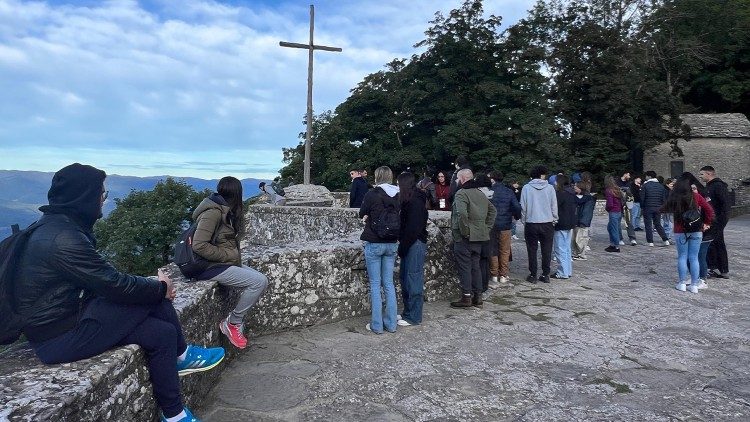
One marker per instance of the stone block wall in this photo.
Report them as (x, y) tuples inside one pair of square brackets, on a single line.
[(729, 156)]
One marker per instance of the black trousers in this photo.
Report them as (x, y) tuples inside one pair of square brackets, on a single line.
[(539, 234), (105, 325), (651, 221), (484, 264), (717, 250), (468, 254)]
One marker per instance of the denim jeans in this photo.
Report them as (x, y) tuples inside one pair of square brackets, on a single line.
[(703, 258), (412, 282), (688, 246), (635, 215), (666, 221), (613, 228), (563, 253), (380, 259)]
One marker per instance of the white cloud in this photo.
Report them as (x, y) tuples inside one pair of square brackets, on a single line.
[(187, 73)]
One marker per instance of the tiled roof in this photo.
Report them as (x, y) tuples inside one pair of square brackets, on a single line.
[(724, 125)]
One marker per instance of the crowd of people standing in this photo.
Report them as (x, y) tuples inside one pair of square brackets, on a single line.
[(556, 212)]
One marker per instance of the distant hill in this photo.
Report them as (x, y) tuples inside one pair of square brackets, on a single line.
[(23, 192)]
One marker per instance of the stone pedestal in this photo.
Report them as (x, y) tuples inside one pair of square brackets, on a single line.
[(308, 195)]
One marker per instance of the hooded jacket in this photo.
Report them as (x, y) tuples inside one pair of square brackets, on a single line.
[(506, 205), (538, 202), (653, 194), (60, 269), (357, 192), (718, 194), (212, 215), (473, 215), (373, 205)]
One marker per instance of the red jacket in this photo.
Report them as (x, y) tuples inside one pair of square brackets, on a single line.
[(706, 211)]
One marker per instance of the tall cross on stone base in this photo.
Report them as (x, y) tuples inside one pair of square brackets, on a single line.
[(310, 47)]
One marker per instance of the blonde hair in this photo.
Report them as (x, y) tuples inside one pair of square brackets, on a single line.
[(383, 174)]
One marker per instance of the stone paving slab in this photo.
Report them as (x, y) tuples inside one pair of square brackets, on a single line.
[(616, 342)]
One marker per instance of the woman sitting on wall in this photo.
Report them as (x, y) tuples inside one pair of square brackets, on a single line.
[(217, 239), (443, 191)]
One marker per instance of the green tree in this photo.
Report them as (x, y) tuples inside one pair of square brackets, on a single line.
[(139, 235)]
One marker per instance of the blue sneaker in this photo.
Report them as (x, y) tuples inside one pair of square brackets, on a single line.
[(188, 418), (200, 359)]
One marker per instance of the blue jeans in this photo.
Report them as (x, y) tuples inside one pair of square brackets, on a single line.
[(666, 220), (613, 228), (513, 227), (412, 282), (688, 246), (703, 258), (563, 253), (380, 259), (635, 215)]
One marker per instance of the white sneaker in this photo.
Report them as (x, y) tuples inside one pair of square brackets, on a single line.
[(702, 284), (622, 242), (503, 279), (681, 287), (692, 289), (494, 279), (514, 237), (666, 243), (403, 323), (651, 244), (588, 248), (633, 242), (398, 317)]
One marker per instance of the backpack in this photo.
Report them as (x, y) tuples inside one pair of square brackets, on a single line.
[(388, 224), (278, 189), (191, 264), (692, 219), (11, 324)]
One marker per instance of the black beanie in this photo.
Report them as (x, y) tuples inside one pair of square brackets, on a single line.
[(76, 191)]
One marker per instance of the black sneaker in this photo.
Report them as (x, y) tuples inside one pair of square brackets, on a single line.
[(531, 278), (612, 249), (544, 278)]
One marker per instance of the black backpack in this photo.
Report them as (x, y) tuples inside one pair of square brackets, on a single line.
[(388, 224), (191, 264), (11, 323), (692, 219)]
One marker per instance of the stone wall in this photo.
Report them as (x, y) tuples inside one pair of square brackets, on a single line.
[(729, 156)]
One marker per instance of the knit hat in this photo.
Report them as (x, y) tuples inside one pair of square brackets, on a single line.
[(76, 191)]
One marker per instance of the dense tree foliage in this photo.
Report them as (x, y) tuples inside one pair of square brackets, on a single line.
[(577, 84), (138, 236)]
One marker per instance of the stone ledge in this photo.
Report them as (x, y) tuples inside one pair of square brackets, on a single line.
[(113, 385)]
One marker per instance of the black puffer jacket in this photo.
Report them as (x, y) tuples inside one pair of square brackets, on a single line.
[(653, 194), (60, 270)]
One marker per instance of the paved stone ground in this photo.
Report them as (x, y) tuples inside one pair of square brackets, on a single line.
[(617, 342)]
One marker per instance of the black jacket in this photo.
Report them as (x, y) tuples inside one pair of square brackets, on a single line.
[(507, 206), (585, 209), (566, 209), (357, 192), (372, 206), (653, 194), (635, 192), (60, 270), (718, 193), (413, 222)]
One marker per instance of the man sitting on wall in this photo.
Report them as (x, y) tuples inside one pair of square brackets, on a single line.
[(77, 305)]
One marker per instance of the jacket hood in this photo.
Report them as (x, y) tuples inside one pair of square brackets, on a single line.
[(470, 184), (214, 201), (391, 190), (539, 184), (717, 180), (76, 191), (650, 180)]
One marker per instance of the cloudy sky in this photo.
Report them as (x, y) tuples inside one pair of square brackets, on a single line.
[(187, 87)]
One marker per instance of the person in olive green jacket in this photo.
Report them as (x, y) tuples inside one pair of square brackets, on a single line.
[(217, 239), (472, 219)]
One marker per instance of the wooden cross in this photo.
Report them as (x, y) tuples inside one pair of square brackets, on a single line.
[(310, 47)]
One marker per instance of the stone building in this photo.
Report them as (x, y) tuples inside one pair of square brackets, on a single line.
[(718, 140)]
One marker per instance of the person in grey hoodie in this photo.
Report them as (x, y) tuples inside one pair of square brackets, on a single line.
[(539, 215)]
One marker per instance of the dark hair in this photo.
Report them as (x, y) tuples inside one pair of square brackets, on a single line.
[(680, 199), (462, 161), (537, 172), (651, 174), (561, 182), (660, 179), (690, 177), (483, 180), (407, 183), (446, 177), (260, 185), (496, 175), (626, 171), (708, 168), (230, 188)]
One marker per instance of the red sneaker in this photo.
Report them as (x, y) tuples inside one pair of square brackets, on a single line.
[(233, 333)]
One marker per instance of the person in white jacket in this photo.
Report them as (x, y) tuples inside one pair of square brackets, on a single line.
[(539, 215)]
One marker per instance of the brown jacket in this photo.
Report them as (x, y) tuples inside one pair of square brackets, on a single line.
[(211, 215)]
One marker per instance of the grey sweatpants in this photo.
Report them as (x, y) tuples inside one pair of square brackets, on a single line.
[(252, 282)]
